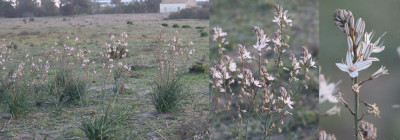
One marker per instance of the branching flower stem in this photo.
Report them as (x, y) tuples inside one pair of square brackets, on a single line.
[(356, 92)]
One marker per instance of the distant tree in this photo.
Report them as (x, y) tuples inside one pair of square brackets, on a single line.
[(116, 2), (72, 7), (191, 13), (152, 6), (7, 9), (138, 7), (142, 6), (66, 7), (27, 8), (48, 8), (96, 7)]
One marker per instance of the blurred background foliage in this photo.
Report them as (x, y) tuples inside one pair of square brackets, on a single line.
[(237, 18), (380, 16)]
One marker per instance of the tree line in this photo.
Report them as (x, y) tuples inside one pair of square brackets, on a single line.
[(32, 8)]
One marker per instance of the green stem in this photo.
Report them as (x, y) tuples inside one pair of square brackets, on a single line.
[(356, 105)]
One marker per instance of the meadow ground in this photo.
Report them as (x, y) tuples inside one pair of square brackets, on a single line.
[(94, 31)]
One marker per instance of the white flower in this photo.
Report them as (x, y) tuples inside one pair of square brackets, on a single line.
[(380, 72), (351, 68), (262, 39), (276, 19), (112, 37), (277, 39), (216, 74), (327, 90), (288, 102), (243, 53), (259, 46), (219, 34), (232, 66), (257, 83), (367, 47), (334, 110), (270, 77), (286, 19)]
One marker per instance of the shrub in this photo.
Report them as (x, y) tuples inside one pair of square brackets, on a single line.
[(185, 26), (32, 19), (200, 28), (175, 26), (129, 22), (198, 68), (203, 34), (168, 95), (164, 24), (191, 13)]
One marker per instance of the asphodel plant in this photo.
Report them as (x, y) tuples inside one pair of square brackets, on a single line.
[(251, 87), (358, 58)]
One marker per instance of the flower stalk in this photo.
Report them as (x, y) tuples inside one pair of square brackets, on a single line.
[(360, 48)]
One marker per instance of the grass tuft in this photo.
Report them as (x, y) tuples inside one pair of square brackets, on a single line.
[(168, 95)]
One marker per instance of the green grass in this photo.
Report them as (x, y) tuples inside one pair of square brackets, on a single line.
[(168, 95)]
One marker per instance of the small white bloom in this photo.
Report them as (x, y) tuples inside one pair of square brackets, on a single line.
[(327, 90), (257, 83), (288, 102), (351, 68), (380, 72), (334, 110), (232, 66)]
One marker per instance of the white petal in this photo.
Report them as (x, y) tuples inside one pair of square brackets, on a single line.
[(349, 43), (353, 74), (342, 67), (373, 59), (378, 49), (361, 65), (332, 99), (349, 59)]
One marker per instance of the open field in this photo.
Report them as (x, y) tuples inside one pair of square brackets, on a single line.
[(45, 120)]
